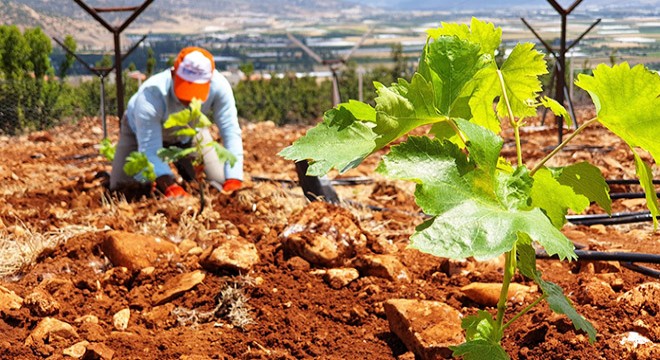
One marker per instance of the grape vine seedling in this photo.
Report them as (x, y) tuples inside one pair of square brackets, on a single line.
[(481, 205), (185, 123)]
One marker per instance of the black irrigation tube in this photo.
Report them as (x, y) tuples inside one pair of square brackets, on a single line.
[(604, 219), (627, 259), (627, 181), (341, 181)]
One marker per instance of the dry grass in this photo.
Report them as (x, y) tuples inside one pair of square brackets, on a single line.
[(20, 245)]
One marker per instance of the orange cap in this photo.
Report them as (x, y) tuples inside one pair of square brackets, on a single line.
[(193, 70)]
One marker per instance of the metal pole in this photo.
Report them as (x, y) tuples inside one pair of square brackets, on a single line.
[(103, 121), (119, 76)]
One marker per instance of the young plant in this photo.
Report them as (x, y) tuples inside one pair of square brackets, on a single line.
[(107, 149), (185, 123), (481, 205)]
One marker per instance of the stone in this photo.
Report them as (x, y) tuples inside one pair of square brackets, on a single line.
[(186, 244), (324, 234), (118, 276), (50, 330), (643, 297), (600, 267), (9, 300), (488, 294), (135, 251), (382, 245), (339, 277), (235, 254), (158, 315), (41, 304), (595, 292), (87, 319), (120, 319), (427, 328), (177, 286), (99, 351), (383, 266), (76, 350), (40, 136)]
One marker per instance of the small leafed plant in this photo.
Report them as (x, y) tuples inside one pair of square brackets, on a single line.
[(186, 123), (481, 205)]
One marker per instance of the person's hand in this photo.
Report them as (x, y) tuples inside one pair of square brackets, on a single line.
[(232, 185), (174, 191)]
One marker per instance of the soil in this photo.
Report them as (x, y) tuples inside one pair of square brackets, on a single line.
[(52, 190)]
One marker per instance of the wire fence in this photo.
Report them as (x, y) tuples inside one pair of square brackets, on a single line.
[(28, 104)]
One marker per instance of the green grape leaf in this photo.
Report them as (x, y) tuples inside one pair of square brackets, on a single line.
[(628, 103), (174, 153), (480, 349), (223, 154), (555, 297), (480, 221), (483, 33), (645, 175), (203, 122), (586, 179), (481, 101), (557, 109), (107, 149), (521, 71), (481, 326), (450, 65), (329, 147), (137, 163), (554, 198), (181, 118), (186, 132), (360, 110)]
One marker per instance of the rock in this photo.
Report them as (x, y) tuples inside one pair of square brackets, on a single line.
[(324, 234), (614, 280), (298, 263), (76, 350), (55, 285), (384, 266), (600, 267), (98, 351), (50, 330), (186, 244), (92, 332), (87, 319), (195, 251), (121, 318), (340, 277), (178, 285), (118, 276), (427, 328), (135, 251), (382, 245), (41, 304), (158, 315), (9, 300), (488, 294), (595, 292), (231, 254), (40, 136), (645, 297)]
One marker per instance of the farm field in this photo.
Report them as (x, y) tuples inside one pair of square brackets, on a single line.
[(74, 286)]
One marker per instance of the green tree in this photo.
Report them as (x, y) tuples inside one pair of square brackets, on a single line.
[(105, 62), (69, 59), (39, 52), (15, 53), (400, 68), (151, 62)]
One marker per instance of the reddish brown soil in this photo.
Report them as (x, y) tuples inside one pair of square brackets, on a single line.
[(48, 183)]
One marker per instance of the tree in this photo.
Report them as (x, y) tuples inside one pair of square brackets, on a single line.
[(151, 62), (400, 64), (69, 59), (105, 62), (15, 53), (39, 52)]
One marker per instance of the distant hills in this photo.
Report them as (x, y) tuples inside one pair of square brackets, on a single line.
[(455, 5)]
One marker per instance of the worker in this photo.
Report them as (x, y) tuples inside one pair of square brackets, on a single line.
[(192, 76)]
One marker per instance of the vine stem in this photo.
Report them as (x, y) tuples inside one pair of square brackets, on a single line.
[(562, 145), (524, 311), (512, 120), (457, 130), (509, 270)]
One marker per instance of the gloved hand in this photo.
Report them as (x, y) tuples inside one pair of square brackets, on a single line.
[(231, 185), (168, 186)]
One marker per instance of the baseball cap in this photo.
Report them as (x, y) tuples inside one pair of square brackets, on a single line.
[(193, 69)]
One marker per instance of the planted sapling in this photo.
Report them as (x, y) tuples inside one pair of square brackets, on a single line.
[(185, 123), (481, 205)]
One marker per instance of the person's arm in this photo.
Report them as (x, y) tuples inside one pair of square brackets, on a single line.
[(147, 114), (226, 118)]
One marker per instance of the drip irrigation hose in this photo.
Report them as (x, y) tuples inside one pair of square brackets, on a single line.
[(341, 181), (627, 181), (627, 259), (615, 219)]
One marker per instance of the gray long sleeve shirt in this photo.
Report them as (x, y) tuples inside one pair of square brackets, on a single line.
[(150, 107)]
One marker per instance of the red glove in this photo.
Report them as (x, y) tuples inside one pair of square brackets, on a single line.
[(175, 190), (231, 185)]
